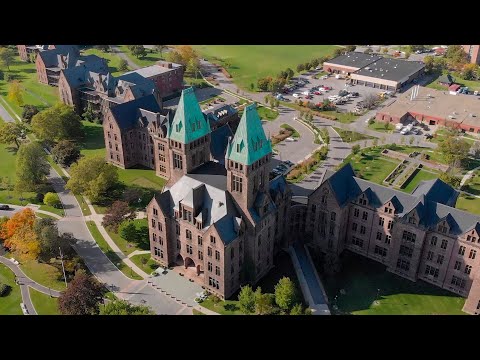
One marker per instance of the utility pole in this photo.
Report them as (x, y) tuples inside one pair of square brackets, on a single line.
[(63, 267)]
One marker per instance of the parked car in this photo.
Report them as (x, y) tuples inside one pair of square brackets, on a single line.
[(4, 207), (324, 77), (288, 162), (296, 95), (404, 131), (428, 136), (305, 93), (290, 139), (308, 97)]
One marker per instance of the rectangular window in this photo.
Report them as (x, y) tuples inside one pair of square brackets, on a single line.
[(365, 215), (161, 147), (388, 239), (188, 234), (356, 212), (379, 235), (431, 271), (406, 251), (444, 244), (177, 161), (160, 240), (237, 183), (210, 266), (380, 251), (430, 255), (354, 226), (153, 223), (356, 241), (179, 245), (412, 220), (440, 259), (154, 237), (333, 216), (472, 255), (461, 250), (200, 254), (177, 229), (160, 226), (458, 265), (212, 239), (390, 224), (459, 282), (209, 251), (217, 255), (217, 270), (200, 240), (403, 264), (213, 283), (408, 236), (433, 241), (468, 269), (363, 229), (161, 157), (189, 249), (381, 221)]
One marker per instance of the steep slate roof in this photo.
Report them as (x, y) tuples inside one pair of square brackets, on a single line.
[(215, 114), (127, 114), (433, 199), (219, 142), (249, 143), (189, 123)]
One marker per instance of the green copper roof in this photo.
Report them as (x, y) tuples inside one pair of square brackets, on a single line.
[(188, 124), (249, 143)]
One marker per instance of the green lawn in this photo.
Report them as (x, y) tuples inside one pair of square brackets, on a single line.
[(44, 274), (468, 203), (45, 216), (420, 175), (361, 278), (345, 118), (227, 307), (472, 84), (83, 205), (266, 113), (380, 126), (473, 185), (295, 133), (145, 178), (196, 312), (351, 136), (213, 98), (52, 209), (27, 75), (127, 247), (110, 253), (150, 59), (112, 59), (149, 267), (372, 166), (10, 304), (44, 304), (248, 63), (94, 140)]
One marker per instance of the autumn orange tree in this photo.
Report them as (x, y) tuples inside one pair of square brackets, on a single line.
[(19, 236)]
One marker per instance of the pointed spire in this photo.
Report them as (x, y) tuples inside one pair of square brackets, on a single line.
[(249, 143), (189, 123)]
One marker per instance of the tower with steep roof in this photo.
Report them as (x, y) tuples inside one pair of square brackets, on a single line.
[(247, 160), (188, 137)]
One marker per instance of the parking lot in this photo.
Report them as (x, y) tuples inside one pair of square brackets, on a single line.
[(335, 85)]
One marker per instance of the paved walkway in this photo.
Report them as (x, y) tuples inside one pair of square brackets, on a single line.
[(310, 283), (4, 114), (467, 176), (17, 208), (122, 55)]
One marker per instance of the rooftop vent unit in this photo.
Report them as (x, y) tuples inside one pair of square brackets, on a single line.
[(367, 68), (451, 117)]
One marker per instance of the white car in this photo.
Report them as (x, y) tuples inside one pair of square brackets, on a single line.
[(290, 139), (404, 131), (333, 97), (324, 77), (306, 93), (296, 95)]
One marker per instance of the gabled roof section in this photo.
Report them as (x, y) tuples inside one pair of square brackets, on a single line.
[(249, 143), (219, 142), (340, 184), (436, 190), (189, 123), (127, 114)]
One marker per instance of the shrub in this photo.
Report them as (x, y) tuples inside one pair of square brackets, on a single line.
[(51, 199), (39, 197), (4, 289), (8, 77), (371, 121)]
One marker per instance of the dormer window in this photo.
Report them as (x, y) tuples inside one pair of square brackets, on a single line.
[(442, 229), (412, 220)]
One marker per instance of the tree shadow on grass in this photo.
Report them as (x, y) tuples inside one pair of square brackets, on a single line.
[(93, 138)]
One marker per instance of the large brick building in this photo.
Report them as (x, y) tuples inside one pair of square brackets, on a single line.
[(91, 85), (29, 52), (473, 52), (49, 63), (167, 77), (434, 107), (219, 222), (416, 236)]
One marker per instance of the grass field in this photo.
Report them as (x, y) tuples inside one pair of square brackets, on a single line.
[(372, 166), (127, 247), (102, 244), (345, 118), (112, 59), (472, 84), (150, 59), (44, 274), (421, 175), (362, 278), (380, 126), (266, 113), (196, 312), (149, 266), (44, 304), (94, 140), (351, 136), (473, 185), (248, 63), (468, 203), (295, 133), (10, 304), (145, 178)]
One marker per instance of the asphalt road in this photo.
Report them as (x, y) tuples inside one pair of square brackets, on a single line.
[(4, 114)]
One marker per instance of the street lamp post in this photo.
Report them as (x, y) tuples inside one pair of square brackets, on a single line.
[(63, 267)]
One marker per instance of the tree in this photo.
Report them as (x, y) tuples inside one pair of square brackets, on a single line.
[(276, 85), (368, 51), (375, 142), (193, 66), (297, 309), (7, 56), (122, 307), (252, 87), (59, 122), (456, 56), (338, 52), (332, 264), (139, 51), (51, 241), (246, 299), (454, 149), (65, 153), (290, 73), (407, 54), (123, 65), (264, 83), (300, 67), (28, 112), (355, 149), (160, 48), (103, 48), (15, 92), (469, 71), (307, 66), (129, 232), (51, 199), (428, 61), (10, 132), (450, 179), (132, 195), (118, 212), (314, 63), (182, 55), (413, 48), (92, 177), (19, 236), (82, 297), (350, 48), (31, 167), (89, 114), (285, 294), (370, 101), (264, 303), (385, 50), (386, 125)]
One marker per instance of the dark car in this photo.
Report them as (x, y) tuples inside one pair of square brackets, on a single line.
[(428, 136), (4, 207)]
